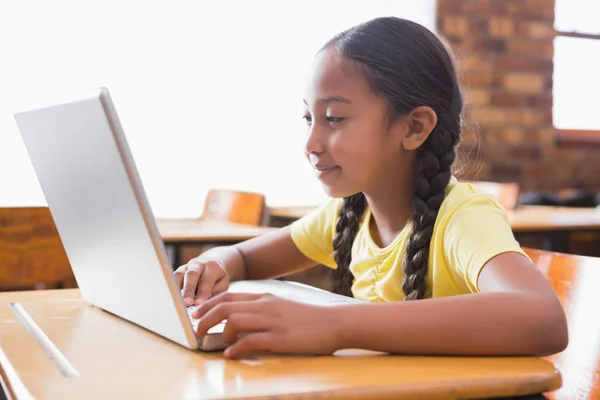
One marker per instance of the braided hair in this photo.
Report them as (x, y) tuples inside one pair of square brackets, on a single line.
[(410, 67)]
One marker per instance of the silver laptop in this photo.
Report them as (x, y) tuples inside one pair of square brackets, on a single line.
[(93, 190)]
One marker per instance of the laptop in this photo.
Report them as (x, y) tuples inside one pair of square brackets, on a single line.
[(95, 195)]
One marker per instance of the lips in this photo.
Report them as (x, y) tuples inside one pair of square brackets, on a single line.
[(320, 167), (324, 170)]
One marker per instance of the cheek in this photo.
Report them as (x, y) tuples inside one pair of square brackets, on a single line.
[(362, 150)]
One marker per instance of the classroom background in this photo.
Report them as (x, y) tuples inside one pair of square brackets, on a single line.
[(210, 98)]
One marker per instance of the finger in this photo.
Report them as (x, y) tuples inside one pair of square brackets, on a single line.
[(259, 341), (206, 282), (190, 282), (222, 312), (243, 323), (179, 273), (220, 286), (226, 297)]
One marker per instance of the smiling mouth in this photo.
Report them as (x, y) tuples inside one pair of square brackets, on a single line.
[(322, 171), (320, 168)]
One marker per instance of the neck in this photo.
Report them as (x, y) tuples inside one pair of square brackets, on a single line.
[(391, 208)]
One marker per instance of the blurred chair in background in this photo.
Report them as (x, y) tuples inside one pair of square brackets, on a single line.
[(507, 194), (236, 207), (228, 206), (31, 253)]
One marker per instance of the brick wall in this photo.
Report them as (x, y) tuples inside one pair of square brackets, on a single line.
[(504, 49)]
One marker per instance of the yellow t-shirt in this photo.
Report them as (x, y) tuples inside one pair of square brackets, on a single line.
[(470, 229)]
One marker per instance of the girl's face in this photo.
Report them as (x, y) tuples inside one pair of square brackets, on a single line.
[(350, 144)]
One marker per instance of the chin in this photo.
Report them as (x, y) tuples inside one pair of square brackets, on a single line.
[(338, 192)]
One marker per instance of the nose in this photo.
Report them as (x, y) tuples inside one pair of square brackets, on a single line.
[(315, 143)]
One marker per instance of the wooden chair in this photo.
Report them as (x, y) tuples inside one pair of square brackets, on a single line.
[(31, 253), (237, 207), (507, 194), (222, 205)]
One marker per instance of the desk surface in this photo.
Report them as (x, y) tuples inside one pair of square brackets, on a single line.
[(575, 280), (115, 359), (194, 230), (547, 218), (523, 219)]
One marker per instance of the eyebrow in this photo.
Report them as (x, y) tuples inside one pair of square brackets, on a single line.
[(332, 99)]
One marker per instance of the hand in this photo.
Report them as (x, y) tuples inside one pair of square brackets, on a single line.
[(201, 279), (263, 322)]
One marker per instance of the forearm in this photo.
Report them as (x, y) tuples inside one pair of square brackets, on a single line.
[(264, 257), (491, 324)]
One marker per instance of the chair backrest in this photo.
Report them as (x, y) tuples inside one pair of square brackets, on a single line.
[(31, 253), (235, 206), (507, 194)]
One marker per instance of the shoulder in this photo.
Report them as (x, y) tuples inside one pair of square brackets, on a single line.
[(472, 229), (469, 213), (326, 213), (319, 221), (313, 233)]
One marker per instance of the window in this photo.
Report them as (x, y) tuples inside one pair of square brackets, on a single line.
[(576, 65), (209, 93)]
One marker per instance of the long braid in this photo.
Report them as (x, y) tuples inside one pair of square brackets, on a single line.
[(435, 159), (352, 209)]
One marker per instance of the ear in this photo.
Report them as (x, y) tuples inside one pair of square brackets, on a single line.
[(421, 122)]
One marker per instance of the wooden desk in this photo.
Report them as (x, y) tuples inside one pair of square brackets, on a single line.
[(290, 213), (195, 231), (522, 219), (575, 280), (555, 225), (180, 232), (115, 359), (552, 224), (548, 218)]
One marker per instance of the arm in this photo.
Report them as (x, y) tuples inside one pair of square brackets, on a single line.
[(267, 256), (276, 254), (515, 313), (304, 243)]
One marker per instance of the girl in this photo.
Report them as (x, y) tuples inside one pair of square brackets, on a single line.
[(383, 109)]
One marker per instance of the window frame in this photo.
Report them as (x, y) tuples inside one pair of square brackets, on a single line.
[(568, 137)]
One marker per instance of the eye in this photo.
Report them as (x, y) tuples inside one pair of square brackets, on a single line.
[(307, 119), (333, 120)]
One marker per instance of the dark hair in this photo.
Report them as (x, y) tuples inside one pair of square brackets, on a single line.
[(410, 67)]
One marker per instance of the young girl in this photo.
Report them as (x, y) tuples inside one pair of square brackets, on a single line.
[(383, 108)]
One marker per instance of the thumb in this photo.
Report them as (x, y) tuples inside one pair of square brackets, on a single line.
[(258, 341)]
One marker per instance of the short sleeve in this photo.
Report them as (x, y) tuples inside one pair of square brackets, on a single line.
[(313, 234), (477, 231)]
